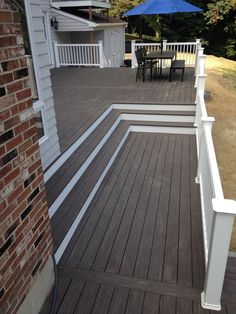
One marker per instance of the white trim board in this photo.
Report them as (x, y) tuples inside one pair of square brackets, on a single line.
[(80, 215), (62, 196), (156, 118), (60, 161)]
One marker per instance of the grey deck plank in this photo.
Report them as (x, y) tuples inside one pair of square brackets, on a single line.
[(103, 299), (105, 200), (172, 238), (98, 88), (151, 303), (96, 239), (118, 249), (135, 302), (185, 249), (145, 248), (87, 299), (184, 306), (158, 250), (168, 305), (72, 296), (119, 301), (111, 177)]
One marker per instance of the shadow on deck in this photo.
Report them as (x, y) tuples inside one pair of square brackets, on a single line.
[(81, 95)]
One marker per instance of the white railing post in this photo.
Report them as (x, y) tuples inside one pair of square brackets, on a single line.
[(198, 64), (100, 43), (206, 122), (164, 46), (198, 45), (222, 224), (55, 47), (200, 86), (133, 64)]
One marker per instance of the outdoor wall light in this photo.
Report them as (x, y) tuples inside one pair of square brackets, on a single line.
[(54, 22)]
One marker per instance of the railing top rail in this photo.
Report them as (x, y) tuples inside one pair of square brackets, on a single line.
[(202, 105), (167, 44), (78, 45)]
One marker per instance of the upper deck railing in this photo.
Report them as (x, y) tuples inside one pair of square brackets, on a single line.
[(184, 50), (217, 212)]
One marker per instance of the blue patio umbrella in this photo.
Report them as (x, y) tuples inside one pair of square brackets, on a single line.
[(151, 7)]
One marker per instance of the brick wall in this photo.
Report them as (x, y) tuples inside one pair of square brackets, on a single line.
[(25, 238)]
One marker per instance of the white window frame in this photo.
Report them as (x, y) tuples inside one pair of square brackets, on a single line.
[(38, 105)]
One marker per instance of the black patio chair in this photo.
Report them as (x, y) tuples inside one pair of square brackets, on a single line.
[(143, 65)]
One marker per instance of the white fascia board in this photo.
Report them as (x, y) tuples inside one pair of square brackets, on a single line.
[(104, 25), (74, 17), (83, 3)]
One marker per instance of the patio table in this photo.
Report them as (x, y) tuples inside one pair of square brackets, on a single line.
[(160, 55)]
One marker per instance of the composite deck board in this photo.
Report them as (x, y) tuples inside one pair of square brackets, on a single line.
[(69, 209), (98, 88), (57, 182), (128, 254)]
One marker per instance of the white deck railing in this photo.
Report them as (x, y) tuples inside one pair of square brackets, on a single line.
[(78, 54), (217, 212), (185, 50)]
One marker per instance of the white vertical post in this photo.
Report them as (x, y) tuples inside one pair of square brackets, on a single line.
[(134, 61), (198, 67), (206, 122), (55, 47), (164, 46), (100, 43), (198, 45), (222, 224)]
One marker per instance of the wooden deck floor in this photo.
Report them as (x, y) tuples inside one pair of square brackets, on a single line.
[(138, 249), (82, 94)]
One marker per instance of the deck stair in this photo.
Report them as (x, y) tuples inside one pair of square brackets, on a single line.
[(72, 186)]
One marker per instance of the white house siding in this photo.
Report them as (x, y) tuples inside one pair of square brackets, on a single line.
[(109, 46), (84, 37), (49, 148)]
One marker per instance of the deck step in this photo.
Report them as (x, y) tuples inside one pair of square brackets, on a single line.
[(70, 208), (76, 181)]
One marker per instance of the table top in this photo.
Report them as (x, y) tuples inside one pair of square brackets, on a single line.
[(160, 55)]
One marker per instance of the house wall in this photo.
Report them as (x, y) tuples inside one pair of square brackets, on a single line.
[(114, 43), (25, 236), (49, 146), (84, 37)]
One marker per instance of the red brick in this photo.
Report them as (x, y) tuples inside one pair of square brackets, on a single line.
[(11, 176), (10, 65), (24, 195), (22, 127), (14, 87), (16, 141), (6, 78), (4, 54), (23, 147), (23, 62), (13, 196), (19, 210), (30, 132), (5, 170), (6, 17), (33, 149), (4, 115), (26, 93), (2, 150), (1, 29), (7, 101), (11, 122), (7, 41)]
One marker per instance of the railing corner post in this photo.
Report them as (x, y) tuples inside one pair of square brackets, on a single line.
[(100, 43), (222, 224), (133, 54), (56, 54)]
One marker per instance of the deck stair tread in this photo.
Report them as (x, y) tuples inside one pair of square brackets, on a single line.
[(56, 184), (64, 216)]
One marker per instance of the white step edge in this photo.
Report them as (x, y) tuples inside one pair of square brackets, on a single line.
[(156, 118), (77, 220), (162, 129), (153, 107), (62, 196), (60, 161)]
